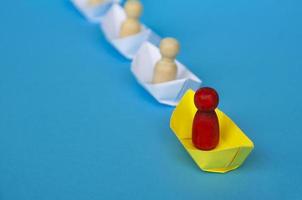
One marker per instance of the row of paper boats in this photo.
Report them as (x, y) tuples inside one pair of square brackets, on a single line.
[(142, 49)]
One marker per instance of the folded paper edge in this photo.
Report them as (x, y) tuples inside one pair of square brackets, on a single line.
[(83, 11), (182, 91), (249, 147), (226, 168), (116, 43)]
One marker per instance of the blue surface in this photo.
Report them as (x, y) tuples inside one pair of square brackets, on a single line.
[(74, 124)]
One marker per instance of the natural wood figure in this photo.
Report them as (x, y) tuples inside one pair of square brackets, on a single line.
[(166, 68), (95, 2), (131, 25)]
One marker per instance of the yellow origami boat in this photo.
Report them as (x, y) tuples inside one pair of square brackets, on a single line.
[(233, 148)]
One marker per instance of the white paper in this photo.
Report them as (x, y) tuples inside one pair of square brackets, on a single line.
[(93, 13), (169, 92), (127, 46)]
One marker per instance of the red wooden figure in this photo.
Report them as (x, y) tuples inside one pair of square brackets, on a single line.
[(205, 129)]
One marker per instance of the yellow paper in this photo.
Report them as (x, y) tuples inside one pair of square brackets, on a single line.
[(233, 148)]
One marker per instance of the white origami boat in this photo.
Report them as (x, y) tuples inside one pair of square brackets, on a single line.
[(170, 92), (128, 46), (93, 13)]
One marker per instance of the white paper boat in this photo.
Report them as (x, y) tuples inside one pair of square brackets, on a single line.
[(93, 13), (128, 46), (169, 92)]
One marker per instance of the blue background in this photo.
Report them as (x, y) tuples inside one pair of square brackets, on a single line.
[(74, 123)]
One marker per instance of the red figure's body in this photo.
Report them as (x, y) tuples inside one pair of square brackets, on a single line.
[(205, 129)]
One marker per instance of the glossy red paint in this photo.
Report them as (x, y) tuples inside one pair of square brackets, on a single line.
[(205, 129)]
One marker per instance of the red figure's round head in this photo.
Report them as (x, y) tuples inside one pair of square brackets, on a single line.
[(206, 99)]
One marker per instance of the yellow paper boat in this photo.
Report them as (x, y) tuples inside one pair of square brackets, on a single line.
[(233, 148)]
